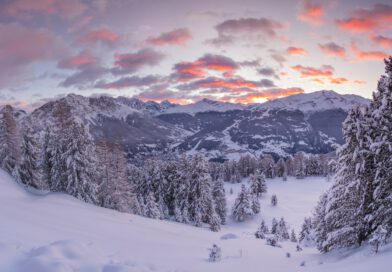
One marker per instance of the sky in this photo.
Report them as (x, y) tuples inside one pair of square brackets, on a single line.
[(246, 51)]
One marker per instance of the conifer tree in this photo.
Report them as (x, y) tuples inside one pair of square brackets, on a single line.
[(258, 185), (9, 148), (151, 207), (242, 207), (28, 168), (219, 195), (261, 231)]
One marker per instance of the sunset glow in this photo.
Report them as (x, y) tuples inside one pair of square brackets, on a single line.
[(182, 51)]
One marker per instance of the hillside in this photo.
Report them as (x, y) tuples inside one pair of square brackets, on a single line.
[(54, 232)]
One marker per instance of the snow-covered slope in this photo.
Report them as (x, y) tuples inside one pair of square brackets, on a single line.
[(316, 101), (57, 233), (204, 106)]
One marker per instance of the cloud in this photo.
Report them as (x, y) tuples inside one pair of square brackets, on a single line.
[(126, 82), (368, 55), (269, 94), (104, 36), (382, 41), (228, 84), (377, 18), (323, 71), (132, 62), (231, 30), (27, 9), (186, 71), (311, 13), (175, 37), (296, 51), (21, 47), (333, 49), (84, 58), (320, 75), (267, 71), (278, 57), (85, 77), (263, 26)]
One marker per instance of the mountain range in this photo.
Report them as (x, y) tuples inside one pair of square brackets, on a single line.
[(309, 122)]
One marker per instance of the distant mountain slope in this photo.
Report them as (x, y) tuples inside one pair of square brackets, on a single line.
[(308, 122), (316, 101)]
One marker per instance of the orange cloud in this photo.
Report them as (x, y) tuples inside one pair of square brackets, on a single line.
[(324, 71), (296, 51), (359, 81), (312, 13), (377, 18), (270, 94), (368, 55), (176, 37), (338, 80)]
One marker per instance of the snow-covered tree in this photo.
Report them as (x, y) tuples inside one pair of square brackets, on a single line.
[(274, 226), (151, 207), (293, 236), (274, 200), (268, 166), (299, 165), (9, 148), (215, 253), (281, 231), (261, 231), (28, 168), (306, 236), (258, 185), (378, 238), (219, 195), (80, 165), (255, 204), (242, 207)]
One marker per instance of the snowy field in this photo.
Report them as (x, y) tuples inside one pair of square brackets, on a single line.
[(54, 232)]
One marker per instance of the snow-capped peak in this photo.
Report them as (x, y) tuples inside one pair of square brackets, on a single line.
[(316, 101), (205, 105)]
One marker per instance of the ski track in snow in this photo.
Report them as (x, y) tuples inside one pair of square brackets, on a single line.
[(55, 232)]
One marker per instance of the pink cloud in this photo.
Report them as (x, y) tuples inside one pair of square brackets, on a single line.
[(176, 37), (382, 41), (103, 35), (368, 55), (21, 47), (127, 82), (333, 49), (129, 63), (296, 51), (377, 18), (26, 9), (84, 58), (312, 13), (323, 71)]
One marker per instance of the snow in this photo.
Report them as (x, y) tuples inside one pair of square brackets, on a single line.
[(315, 101), (204, 106), (42, 232)]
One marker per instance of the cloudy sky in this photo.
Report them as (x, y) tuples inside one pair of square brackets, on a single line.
[(184, 50)]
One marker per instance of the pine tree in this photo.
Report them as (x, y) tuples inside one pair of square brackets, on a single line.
[(242, 207), (9, 148), (274, 226), (379, 237), (281, 231), (28, 168), (215, 253), (219, 195), (274, 200), (268, 166), (306, 236), (255, 204), (46, 159), (258, 185), (80, 163), (293, 237), (152, 208), (261, 231)]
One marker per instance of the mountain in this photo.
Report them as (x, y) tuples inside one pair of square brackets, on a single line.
[(125, 121), (204, 105), (308, 122), (315, 101)]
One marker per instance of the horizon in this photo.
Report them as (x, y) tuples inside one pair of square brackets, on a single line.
[(246, 53)]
